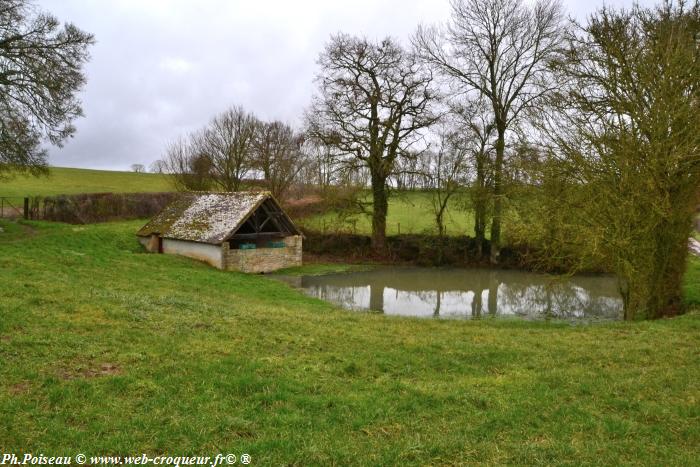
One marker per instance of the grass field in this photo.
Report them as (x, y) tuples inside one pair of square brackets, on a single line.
[(107, 350), (64, 181), (409, 212)]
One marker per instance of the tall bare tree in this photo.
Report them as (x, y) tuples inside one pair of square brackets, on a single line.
[(372, 103), (449, 172), (190, 169), (410, 172), (228, 144), (40, 76), (278, 154), (322, 167), (158, 166), (499, 49), (478, 137)]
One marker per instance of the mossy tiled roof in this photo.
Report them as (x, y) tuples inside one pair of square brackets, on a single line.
[(204, 217)]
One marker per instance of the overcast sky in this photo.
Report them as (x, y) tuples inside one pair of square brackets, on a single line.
[(161, 68)]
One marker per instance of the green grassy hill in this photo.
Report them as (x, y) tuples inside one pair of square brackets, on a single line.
[(409, 212), (107, 350), (63, 180)]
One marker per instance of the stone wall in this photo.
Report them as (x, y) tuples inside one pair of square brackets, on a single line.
[(264, 259)]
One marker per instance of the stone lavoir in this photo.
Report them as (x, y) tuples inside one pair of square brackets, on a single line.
[(242, 231)]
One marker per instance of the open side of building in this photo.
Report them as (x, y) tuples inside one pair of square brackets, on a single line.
[(242, 231)]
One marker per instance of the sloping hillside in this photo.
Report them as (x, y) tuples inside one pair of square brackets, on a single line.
[(63, 180), (105, 349)]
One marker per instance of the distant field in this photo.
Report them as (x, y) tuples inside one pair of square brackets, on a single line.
[(63, 180), (409, 212)]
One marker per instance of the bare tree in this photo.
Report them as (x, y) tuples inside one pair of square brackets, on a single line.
[(372, 103), (158, 166), (219, 155), (411, 171), (322, 167), (138, 168), (190, 169), (40, 76), (228, 144), (478, 138), (499, 49), (278, 154), (449, 172)]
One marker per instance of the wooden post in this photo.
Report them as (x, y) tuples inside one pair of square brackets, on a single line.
[(26, 208)]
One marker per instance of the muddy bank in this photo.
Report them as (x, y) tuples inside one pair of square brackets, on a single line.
[(409, 249), (422, 250)]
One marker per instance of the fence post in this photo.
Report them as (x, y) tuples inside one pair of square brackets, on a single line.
[(26, 208)]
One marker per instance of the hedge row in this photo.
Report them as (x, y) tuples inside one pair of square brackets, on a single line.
[(89, 208)]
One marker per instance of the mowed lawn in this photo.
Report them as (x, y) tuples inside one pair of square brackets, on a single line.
[(105, 349), (61, 181)]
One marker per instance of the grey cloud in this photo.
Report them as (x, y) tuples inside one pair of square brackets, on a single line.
[(161, 68)]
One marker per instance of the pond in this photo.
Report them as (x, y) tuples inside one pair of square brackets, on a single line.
[(467, 293)]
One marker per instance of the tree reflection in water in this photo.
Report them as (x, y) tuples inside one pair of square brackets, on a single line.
[(469, 293)]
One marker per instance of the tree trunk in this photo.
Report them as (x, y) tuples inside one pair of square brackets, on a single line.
[(440, 218), (666, 298), (380, 208), (376, 298), (477, 302), (497, 196), (661, 292), (493, 294), (480, 208), (436, 311)]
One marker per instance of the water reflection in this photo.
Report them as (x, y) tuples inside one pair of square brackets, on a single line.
[(466, 293)]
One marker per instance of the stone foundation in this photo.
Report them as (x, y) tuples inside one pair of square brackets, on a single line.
[(264, 259)]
